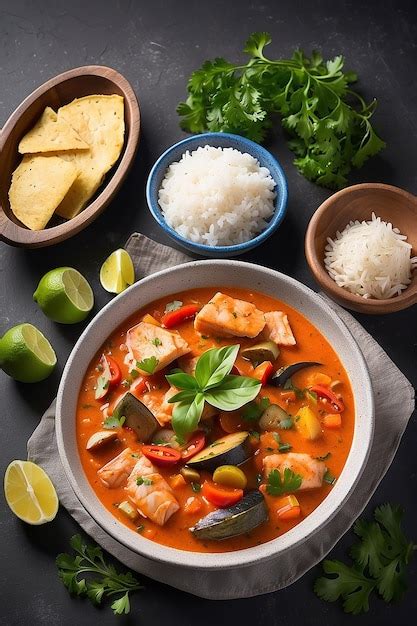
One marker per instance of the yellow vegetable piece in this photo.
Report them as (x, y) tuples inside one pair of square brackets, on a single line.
[(230, 476), (318, 378), (127, 509), (307, 423), (149, 319), (30, 493)]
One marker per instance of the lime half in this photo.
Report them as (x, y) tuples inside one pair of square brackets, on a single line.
[(117, 272), (26, 355), (64, 295), (30, 493)]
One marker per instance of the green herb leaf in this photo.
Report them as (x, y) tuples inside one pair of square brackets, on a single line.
[(181, 381), (278, 483), (329, 478), (186, 416), (196, 487), (107, 582), (254, 410), (156, 342), (233, 393), (173, 306), (287, 423), (328, 123), (144, 480), (102, 386), (214, 365), (148, 365), (114, 421), (380, 560)]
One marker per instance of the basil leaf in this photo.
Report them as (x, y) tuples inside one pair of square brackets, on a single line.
[(214, 365), (182, 380), (233, 393), (186, 395), (186, 416)]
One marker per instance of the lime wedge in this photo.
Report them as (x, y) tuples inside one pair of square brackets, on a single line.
[(64, 295), (30, 493), (117, 272), (26, 355)]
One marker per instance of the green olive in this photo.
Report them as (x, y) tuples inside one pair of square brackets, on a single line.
[(230, 476)]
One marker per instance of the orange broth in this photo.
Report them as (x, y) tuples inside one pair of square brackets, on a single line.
[(311, 346)]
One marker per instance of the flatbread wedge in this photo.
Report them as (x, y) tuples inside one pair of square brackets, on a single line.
[(49, 134), (38, 186), (99, 120)]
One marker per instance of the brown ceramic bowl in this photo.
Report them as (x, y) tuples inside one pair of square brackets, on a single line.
[(81, 81), (357, 203)]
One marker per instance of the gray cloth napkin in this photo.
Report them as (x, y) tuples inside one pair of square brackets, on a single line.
[(392, 414)]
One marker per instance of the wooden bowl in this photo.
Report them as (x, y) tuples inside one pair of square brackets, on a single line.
[(357, 203), (78, 82)]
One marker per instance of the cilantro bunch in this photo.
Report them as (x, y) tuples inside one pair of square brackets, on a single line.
[(329, 123), (86, 574), (380, 560)]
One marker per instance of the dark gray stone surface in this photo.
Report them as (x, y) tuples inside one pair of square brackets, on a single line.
[(156, 45)]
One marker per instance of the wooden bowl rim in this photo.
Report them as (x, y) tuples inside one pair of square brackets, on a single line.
[(49, 236), (406, 299)]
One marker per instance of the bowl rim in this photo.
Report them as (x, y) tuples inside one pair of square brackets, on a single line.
[(276, 219), (334, 501), (372, 305), (54, 234)]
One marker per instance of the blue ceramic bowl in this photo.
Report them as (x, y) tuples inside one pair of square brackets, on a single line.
[(223, 140)]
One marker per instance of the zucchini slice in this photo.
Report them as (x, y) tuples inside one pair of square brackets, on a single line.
[(236, 520), (231, 449), (284, 373), (273, 417), (260, 352), (137, 416)]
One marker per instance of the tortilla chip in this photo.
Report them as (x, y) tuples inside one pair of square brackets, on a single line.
[(38, 186), (99, 120), (50, 134)]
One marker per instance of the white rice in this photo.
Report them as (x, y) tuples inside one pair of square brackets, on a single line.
[(371, 259), (217, 196)]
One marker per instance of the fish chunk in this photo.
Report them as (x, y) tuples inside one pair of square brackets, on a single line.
[(147, 340), (160, 407), (153, 497), (277, 329), (117, 471), (311, 470), (225, 316)]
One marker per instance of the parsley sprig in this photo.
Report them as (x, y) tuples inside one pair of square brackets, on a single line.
[(380, 560), (278, 483), (89, 560), (329, 122)]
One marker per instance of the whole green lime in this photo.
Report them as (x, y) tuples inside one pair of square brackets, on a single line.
[(26, 355), (64, 295)]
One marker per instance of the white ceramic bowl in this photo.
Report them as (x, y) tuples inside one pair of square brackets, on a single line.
[(215, 273)]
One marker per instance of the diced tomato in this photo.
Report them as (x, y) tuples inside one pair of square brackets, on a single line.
[(139, 386), (193, 505), (115, 371), (173, 318), (161, 455), (331, 401), (263, 372), (194, 445), (333, 420), (288, 508), (221, 496)]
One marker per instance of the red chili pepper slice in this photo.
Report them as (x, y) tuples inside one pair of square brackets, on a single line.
[(263, 372), (221, 496), (176, 317), (115, 371), (333, 404), (194, 445), (161, 455)]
